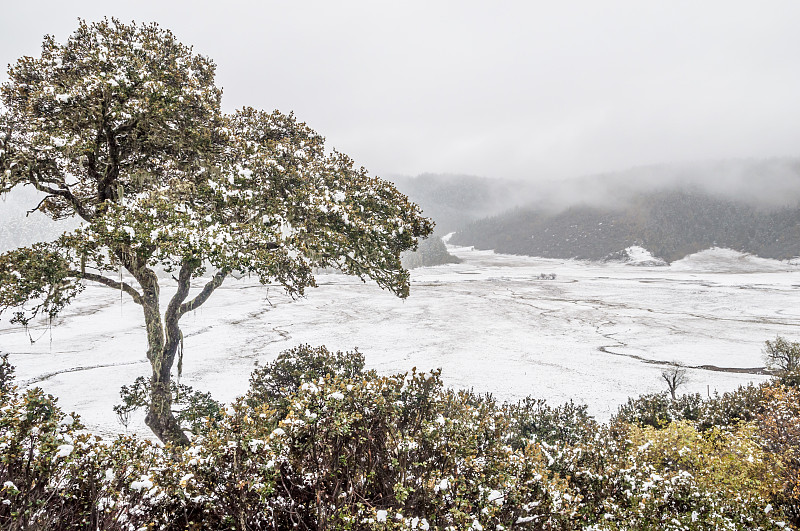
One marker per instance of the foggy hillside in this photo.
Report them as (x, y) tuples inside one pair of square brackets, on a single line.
[(672, 210), (455, 200), (671, 224), (764, 183), (431, 252)]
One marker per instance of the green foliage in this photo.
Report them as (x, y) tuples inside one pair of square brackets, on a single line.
[(332, 446), (779, 427), (533, 419), (171, 167), (54, 475), (193, 409), (679, 478), (783, 357), (39, 275), (171, 181), (658, 409), (274, 383), (6, 376), (351, 447), (729, 409), (744, 404), (121, 128), (350, 452)]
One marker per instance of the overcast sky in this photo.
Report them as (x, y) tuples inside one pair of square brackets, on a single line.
[(502, 89)]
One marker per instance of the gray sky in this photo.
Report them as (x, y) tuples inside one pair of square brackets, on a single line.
[(504, 89)]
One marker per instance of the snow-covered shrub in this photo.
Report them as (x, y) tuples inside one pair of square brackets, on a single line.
[(681, 478), (274, 383), (356, 452), (55, 475), (744, 404), (533, 418), (343, 448), (658, 409), (35, 436), (6, 375), (779, 423), (225, 479)]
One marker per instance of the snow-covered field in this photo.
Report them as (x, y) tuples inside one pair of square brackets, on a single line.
[(597, 333)]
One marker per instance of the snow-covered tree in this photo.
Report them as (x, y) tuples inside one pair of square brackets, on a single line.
[(121, 127)]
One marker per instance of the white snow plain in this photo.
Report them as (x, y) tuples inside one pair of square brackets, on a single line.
[(597, 334)]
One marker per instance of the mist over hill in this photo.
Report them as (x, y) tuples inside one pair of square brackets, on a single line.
[(670, 224), (453, 201), (751, 206), (763, 183)]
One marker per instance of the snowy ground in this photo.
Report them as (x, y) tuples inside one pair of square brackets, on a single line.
[(598, 333)]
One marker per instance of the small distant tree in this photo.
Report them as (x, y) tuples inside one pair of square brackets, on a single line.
[(675, 376), (121, 128), (782, 356)]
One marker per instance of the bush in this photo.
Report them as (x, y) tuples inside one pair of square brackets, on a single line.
[(658, 410), (368, 452), (358, 452), (679, 478), (319, 443), (566, 424), (727, 410), (732, 408), (779, 423), (276, 382), (54, 475), (782, 356)]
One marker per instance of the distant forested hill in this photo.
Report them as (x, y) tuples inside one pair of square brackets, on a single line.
[(751, 205), (453, 201), (669, 223)]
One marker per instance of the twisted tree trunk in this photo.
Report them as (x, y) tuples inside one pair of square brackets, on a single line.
[(163, 340), (161, 350), (159, 416)]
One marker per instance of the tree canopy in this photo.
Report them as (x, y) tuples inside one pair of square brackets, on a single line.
[(121, 126)]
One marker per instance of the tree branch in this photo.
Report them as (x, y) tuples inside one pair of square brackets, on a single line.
[(203, 296), (29, 212), (184, 284), (66, 194), (111, 283)]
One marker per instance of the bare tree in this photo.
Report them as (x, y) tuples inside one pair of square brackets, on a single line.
[(782, 355), (675, 376)]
